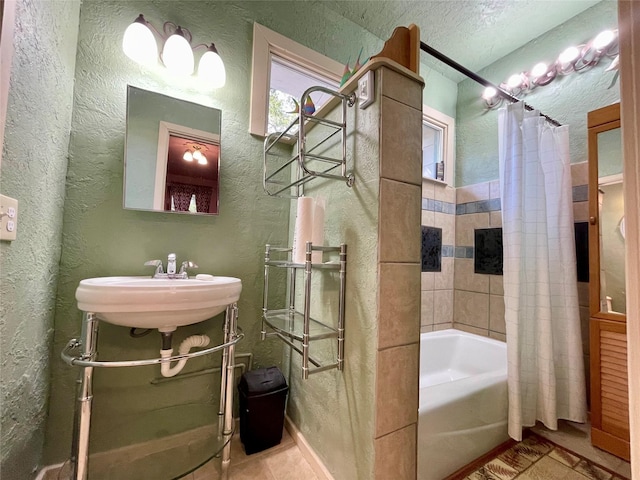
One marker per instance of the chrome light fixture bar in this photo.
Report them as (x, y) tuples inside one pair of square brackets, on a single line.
[(139, 43), (572, 59)]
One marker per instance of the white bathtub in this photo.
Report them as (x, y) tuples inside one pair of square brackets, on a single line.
[(463, 400)]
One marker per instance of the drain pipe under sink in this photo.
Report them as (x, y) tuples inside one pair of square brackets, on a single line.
[(187, 344)]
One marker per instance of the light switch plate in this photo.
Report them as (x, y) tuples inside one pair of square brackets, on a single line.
[(9, 218), (366, 91)]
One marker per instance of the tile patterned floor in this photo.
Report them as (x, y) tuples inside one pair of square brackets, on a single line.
[(536, 458), (282, 462)]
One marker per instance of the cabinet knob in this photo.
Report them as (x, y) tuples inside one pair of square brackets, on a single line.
[(592, 220)]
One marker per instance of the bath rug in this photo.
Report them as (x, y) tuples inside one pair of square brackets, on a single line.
[(534, 457)]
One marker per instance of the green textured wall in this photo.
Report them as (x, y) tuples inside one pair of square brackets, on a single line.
[(566, 99), (440, 92), (332, 409), (33, 171), (100, 238)]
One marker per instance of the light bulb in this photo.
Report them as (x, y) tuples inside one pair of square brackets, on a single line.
[(202, 160), (177, 55), (197, 155), (489, 93), (211, 68), (539, 70), (603, 40), (569, 55), (515, 80), (188, 156), (139, 44)]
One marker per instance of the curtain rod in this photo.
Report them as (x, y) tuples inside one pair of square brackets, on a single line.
[(477, 78)]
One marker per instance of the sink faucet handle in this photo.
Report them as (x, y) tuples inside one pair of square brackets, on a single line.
[(187, 264), (155, 263)]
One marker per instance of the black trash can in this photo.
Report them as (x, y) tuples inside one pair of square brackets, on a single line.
[(263, 394)]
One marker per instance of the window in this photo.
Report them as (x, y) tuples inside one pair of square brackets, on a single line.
[(282, 70), (438, 146)]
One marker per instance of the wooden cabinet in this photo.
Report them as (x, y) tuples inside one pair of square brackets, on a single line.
[(607, 303), (609, 387)]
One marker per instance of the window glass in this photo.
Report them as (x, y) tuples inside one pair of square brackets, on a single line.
[(288, 82), (432, 151)]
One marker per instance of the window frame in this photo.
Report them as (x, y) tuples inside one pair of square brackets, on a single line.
[(267, 42), (448, 126)]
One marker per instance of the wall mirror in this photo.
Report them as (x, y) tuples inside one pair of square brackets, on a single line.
[(172, 155), (606, 210)]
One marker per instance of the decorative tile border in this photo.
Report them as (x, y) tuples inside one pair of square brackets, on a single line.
[(464, 252), (480, 206), (432, 205), (448, 250)]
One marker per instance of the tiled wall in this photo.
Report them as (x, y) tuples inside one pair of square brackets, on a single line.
[(439, 210), (457, 297)]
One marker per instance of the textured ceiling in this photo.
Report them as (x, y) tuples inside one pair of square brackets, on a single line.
[(475, 33)]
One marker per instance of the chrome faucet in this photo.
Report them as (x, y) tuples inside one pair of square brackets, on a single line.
[(158, 264), (171, 268), (171, 264)]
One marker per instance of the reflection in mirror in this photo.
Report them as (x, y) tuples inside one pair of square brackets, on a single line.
[(611, 214), (172, 154)]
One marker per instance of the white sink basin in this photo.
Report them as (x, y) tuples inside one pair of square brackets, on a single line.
[(165, 304)]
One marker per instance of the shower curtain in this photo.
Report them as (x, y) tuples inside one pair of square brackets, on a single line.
[(544, 348)]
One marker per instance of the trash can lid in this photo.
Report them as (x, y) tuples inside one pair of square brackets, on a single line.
[(261, 381)]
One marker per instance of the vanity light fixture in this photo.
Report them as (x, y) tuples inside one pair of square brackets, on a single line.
[(139, 43), (572, 59), (188, 156)]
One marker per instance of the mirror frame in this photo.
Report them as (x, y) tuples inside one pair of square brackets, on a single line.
[(598, 121)]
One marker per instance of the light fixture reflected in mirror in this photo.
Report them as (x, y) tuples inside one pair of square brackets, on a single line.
[(194, 152), (139, 44)]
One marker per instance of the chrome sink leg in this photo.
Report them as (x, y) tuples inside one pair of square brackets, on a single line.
[(84, 400), (231, 329)]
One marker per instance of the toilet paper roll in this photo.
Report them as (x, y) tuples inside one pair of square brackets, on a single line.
[(303, 230), (317, 234)]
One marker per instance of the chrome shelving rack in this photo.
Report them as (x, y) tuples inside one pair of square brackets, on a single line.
[(285, 176), (297, 329)]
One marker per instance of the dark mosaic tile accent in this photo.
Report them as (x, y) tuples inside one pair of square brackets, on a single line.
[(495, 204), (580, 193), (582, 250), (461, 209), (425, 204), (437, 205), (431, 249), (448, 250), (489, 255), (469, 252)]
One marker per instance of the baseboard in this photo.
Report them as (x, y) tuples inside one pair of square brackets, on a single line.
[(49, 472), (307, 452)]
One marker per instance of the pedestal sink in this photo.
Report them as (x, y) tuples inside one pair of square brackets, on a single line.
[(161, 303)]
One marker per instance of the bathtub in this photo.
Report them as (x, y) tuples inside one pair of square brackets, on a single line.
[(463, 400)]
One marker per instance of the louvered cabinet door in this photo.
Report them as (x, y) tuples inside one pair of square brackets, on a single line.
[(609, 387)]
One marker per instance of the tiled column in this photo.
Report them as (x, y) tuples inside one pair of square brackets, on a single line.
[(398, 352)]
